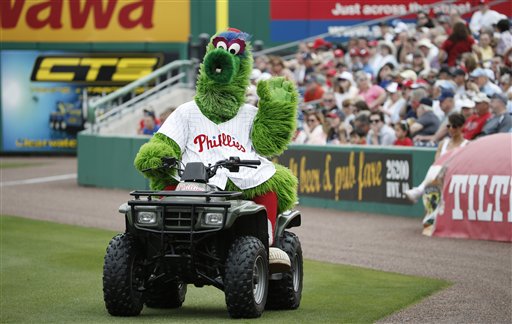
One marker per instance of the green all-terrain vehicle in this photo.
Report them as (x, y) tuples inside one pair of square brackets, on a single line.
[(200, 235)]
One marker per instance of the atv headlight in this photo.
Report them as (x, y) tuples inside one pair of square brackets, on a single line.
[(146, 217), (214, 219)]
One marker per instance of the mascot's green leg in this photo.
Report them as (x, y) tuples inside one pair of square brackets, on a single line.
[(283, 183)]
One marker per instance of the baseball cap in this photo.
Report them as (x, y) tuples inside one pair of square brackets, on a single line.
[(321, 43), (420, 83), (409, 75), (478, 72), (500, 97), (338, 53), (331, 72), (459, 72), (346, 76), (149, 112), (407, 83), (425, 42), (333, 113), (427, 102), (445, 69), (445, 94), (481, 97), (392, 87), (363, 52), (400, 27), (465, 103)]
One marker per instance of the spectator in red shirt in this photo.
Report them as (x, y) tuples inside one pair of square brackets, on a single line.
[(403, 137), (314, 90), (460, 41), (474, 124)]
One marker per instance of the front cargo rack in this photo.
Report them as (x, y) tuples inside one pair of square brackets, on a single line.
[(206, 194)]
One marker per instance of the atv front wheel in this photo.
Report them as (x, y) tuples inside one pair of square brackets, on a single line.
[(246, 278), (122, 276), (286, 293), (167, 295)]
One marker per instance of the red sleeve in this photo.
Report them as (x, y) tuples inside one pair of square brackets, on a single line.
[(447, 45), (471, 40)]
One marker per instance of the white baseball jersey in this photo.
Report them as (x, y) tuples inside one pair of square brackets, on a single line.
[(201, 140)]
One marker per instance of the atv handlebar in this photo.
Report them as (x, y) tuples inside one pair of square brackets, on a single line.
[(249, 162), (232, 164)]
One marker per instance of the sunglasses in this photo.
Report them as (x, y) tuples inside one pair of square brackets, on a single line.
[(374, 121), (312, 120), (450, 126)]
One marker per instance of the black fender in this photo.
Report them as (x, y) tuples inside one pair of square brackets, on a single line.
[(287, 219)]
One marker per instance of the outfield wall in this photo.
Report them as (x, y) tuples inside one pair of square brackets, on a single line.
[(352, 178)]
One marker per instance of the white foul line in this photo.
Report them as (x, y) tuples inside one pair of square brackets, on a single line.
[(39, 180)]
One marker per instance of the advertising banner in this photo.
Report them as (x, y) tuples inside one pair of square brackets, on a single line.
[(293, 20), (94, 20), (353, 176), (42, 102), (477, 191)]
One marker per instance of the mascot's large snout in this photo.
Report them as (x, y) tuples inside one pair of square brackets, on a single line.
[(220, 66)]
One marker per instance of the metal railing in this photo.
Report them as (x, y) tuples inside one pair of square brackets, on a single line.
[(180, 73)]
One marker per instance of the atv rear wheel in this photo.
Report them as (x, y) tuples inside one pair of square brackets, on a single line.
[(167, 295), (246, 278), (122, 276), (286, 293)]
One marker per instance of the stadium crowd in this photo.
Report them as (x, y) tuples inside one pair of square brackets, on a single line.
[(401, 87)]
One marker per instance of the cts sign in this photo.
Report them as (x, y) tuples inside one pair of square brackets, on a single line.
[(99, 68), (94, 20)]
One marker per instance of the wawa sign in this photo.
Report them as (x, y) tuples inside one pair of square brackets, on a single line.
[(94, 20)]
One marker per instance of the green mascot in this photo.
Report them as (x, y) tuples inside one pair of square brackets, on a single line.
[(218, 124)]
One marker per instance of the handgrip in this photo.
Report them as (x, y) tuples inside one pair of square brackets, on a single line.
[(249, 162)]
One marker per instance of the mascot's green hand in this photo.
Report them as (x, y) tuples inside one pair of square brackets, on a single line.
[(150, 157), (277, 89)]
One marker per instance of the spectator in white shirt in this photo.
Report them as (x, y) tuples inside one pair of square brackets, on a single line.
[(505, 41), (484, 17), (393, 104)]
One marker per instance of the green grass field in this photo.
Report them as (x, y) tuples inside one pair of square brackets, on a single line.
[(53, 273)]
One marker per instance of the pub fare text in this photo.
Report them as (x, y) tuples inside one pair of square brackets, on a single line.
[(360, 175), (488, 197)]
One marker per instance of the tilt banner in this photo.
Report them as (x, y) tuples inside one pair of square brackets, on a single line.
[(351, 175)]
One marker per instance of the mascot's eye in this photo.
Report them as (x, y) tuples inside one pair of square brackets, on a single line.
[(222, 45), (234, 48), (220, 42)]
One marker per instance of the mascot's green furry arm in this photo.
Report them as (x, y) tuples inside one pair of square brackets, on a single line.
[(221, 91)]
